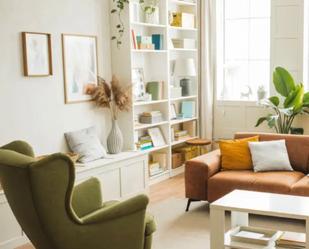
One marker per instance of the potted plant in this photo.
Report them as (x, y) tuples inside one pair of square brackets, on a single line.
[(116, 99), (293, 101), (151, 10)]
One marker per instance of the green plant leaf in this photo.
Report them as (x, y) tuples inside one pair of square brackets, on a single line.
[(260, 121), (283, 81), (274, 100), (306, 99), (287, 111), (295, 98), (272, 120)]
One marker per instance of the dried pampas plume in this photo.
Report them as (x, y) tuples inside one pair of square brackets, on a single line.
[(114, 96)]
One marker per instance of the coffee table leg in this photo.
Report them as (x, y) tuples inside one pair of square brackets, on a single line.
[(239, 219), (217, 230)]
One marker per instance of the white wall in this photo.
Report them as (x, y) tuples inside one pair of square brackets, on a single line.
[(33, 109)]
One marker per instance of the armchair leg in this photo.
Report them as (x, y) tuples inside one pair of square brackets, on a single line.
[(189, 203)]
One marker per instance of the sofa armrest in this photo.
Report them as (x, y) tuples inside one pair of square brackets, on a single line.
[(197, 173)]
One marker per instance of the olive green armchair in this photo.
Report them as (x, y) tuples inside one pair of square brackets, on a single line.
[(56, 215)]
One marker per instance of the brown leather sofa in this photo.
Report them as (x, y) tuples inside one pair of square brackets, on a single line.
[(205, 181)]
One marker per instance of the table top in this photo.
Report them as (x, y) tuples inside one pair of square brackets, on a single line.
[(288, 206), (198, 141)]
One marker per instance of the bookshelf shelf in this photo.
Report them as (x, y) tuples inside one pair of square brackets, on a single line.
[(183, 140), (184, 120), (146, 126), (143, 24), (157, 66), (184, 98), (148, 51), (183, 29), (182, 50), (183, 3), (141, 103)]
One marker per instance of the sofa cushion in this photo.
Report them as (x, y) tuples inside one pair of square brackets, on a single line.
[(150, 224), (301, 187), (297, 146), (235, 154), (276, 182)]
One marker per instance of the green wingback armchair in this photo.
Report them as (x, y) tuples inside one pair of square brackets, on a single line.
[(56, 215)]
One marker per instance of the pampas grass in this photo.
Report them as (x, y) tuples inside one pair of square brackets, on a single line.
[(114, 97)]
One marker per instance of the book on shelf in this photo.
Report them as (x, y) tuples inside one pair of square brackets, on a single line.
[(134, 39), (292, 240)]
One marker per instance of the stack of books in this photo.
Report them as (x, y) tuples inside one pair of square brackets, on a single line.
[(145, 143), (152, 117), (292, 240), (155, 169), (181, 135), (153, 42)]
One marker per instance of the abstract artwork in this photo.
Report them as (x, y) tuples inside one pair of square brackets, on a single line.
[(80, 67), (37, 54)]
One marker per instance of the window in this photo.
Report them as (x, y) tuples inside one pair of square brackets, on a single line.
[(244, 49)]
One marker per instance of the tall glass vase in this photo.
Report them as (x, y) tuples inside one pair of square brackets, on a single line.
[(115, 139)]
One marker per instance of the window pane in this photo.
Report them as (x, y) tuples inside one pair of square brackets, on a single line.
[(260, 8), (259, 75), (236, 39), (246, 49), (236, 8), (259, 39), (236, 78)]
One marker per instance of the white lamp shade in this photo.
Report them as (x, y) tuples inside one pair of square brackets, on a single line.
[(184, 68)]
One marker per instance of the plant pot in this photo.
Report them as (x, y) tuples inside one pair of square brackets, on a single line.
[(297, 131), (115, 139), (153, 17)]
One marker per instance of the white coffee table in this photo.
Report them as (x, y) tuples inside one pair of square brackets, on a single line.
[(242, 203)]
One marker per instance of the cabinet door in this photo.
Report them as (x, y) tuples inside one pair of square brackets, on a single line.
[(133, 178), (110, 184), (10, 229)]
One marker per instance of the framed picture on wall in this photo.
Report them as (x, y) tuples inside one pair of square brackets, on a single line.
[(139, 90), (80, 65), (37, 54)]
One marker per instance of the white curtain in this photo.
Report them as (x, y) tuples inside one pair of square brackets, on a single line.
[(207, 67)]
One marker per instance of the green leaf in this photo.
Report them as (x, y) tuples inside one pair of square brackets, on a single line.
[(271, 120), (306, 99), (113, 11), (274, 100), (260, 121), (287, 111), (283, 81), (295, 98)]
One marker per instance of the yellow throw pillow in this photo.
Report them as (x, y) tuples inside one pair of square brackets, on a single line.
[(235, 154)]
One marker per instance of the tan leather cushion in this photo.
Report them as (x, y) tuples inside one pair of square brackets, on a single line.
[(301, 187), (274, 182), (297, 146)]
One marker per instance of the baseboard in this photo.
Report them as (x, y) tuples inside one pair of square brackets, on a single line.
[(13, 243)]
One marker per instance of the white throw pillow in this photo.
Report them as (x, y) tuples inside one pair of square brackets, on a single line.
[(270, 156), (86, 143)]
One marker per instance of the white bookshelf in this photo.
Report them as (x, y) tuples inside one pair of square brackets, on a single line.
[(157, 66)]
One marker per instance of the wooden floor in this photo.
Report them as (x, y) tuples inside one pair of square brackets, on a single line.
[(174, 187)]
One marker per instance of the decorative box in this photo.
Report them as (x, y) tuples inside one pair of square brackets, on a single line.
[(177, 160), (161, 158), (188, 152), (184, 43)]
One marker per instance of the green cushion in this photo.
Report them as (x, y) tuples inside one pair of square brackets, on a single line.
[(150, 225)]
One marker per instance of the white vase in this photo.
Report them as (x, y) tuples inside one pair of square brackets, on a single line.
[(153, 18), (115, 139)]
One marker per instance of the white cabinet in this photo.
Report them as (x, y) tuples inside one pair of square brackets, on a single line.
[(121, 176)]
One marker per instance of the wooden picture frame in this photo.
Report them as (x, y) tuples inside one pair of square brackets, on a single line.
[(80, 67), (37, 54)]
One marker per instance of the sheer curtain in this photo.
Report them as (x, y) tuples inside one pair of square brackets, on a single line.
[(207, 66)]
